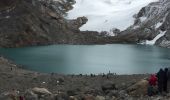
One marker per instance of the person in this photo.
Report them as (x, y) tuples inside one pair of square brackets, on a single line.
[(165, 79), (153, 80), (160, 76), (152, 89)]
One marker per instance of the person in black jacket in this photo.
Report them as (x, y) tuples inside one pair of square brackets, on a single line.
[(165, 78), (160, 76)]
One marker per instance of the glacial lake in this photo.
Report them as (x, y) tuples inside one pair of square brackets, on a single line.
[(86, 59)]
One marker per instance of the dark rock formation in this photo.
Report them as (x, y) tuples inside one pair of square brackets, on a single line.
[(77, 23)]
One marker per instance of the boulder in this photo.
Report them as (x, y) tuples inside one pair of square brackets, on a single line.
[(123, 94), (53, 15), (81, 20), (72, 98), (108, 86), (41, 91), (10, 95), (38, 94), (138, 89), (100, 98), (88, 97)]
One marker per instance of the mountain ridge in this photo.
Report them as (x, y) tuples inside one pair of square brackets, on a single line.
[(151, 21), (43, 22), (40, 22)]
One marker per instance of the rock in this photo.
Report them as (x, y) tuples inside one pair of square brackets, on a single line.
[(53, 15), (77, 23), (168, 94), (158, 98), (11, 95), (116, 31), (38, 94), (163, 42), (140, 88), (71, 92), (108, 86), (123, 94), (61, 96), (81, 21), (113, 93), (41, 91), (29, 95), (72, 98), (96, 91), (61, 80), (6, 96), (100, 98), (89, 97), (113, 98)]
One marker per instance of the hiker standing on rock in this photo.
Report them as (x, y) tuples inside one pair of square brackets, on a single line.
[(160, 76)]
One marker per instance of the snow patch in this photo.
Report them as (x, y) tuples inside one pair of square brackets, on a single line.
[(158, 25), (152, 42), (103, 15), (135, 27), (111, 33), (143, 19)]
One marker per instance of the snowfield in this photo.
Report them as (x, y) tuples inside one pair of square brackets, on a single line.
[(104, 15)]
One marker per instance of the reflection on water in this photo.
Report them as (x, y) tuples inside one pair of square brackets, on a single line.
[(68, 59)]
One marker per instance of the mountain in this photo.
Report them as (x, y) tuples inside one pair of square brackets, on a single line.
[(151, 22), (40, 22)]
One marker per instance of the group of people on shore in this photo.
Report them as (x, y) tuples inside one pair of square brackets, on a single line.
[(158, 82)]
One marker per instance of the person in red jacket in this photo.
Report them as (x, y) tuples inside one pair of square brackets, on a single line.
[(152, 89), (153, 80)]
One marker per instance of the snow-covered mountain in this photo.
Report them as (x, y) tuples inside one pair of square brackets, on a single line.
[(151, 22), (103, 15)]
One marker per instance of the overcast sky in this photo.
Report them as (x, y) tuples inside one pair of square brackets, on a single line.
[(104, 15)]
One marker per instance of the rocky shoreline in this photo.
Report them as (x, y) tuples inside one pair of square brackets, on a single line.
[(15, 82)]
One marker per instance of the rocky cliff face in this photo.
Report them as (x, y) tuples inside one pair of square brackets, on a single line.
[(36, 22), (151, 21)]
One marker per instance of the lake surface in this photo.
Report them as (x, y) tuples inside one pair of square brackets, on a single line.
[(86, 59)]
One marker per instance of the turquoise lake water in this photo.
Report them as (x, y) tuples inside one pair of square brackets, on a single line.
[(86, 59)]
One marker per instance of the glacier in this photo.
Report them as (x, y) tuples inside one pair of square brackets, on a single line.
[(152, 42), (103, 15)]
